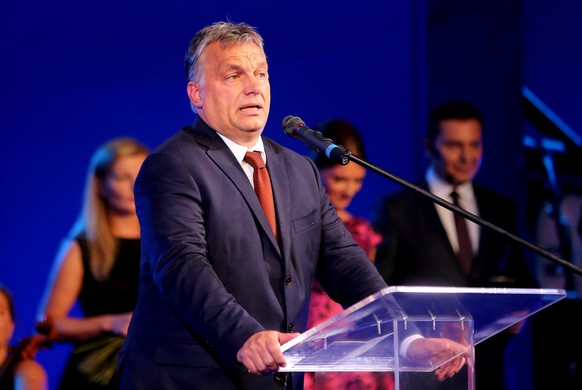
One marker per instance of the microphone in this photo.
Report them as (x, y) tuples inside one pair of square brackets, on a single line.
[(293, 126)]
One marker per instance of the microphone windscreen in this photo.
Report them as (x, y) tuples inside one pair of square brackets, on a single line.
[(290, 123)]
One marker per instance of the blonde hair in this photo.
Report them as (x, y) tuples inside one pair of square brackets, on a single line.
[(93, 221)]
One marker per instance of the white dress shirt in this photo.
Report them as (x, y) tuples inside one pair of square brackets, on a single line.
[(467, 201), (239, 152)]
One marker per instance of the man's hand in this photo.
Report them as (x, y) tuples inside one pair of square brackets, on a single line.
[(261, 353), (435, 350)]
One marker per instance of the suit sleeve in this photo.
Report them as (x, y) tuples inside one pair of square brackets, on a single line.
[(172, 216)]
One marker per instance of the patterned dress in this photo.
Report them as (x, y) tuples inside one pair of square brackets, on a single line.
[(322, 308)]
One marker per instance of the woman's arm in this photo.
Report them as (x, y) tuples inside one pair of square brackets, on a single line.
[(62, 293)]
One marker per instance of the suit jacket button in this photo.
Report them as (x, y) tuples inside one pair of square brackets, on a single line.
[(288, 280), (290, 328), (280, 377)]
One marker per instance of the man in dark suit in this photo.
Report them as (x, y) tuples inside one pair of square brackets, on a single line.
[(223, 284), (420, 244)]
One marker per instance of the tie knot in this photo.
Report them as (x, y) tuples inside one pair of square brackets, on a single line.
[(455, 196), (255, 160)]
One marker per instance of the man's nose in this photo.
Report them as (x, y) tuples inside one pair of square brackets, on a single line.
[(465, 153), (254, 85)]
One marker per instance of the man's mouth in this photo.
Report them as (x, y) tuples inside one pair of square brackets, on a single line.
[(253, 107)]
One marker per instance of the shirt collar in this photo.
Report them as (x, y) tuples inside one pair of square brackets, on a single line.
[(239, 151), (442, 189)]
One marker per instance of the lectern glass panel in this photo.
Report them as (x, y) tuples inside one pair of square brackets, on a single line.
[(368, 336)]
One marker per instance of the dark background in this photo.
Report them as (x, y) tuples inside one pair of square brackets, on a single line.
[(74, 74)]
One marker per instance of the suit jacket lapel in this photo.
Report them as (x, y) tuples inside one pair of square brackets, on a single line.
[(221, 155)]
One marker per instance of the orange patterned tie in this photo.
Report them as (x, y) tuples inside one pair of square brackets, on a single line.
[(465, 249), (263, 187)]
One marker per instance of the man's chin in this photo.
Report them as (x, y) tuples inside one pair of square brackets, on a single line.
[(258, 116), (254, 125), (461, 180)]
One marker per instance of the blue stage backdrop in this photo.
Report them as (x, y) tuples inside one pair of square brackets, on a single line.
[(74, 74)]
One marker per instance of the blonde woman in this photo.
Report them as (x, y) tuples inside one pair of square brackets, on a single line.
[(98, 267)]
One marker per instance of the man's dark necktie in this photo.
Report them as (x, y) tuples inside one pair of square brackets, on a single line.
[(263, 188), (465, 253)]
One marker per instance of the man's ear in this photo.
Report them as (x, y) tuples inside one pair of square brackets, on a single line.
[(195, 94), (432, 152), (428, 149)]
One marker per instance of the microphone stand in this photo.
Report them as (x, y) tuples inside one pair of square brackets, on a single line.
[(464, 213)]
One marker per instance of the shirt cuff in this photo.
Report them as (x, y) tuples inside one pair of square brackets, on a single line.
[(406, 343)]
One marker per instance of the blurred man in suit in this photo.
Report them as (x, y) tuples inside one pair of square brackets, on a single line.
[(420, 244)]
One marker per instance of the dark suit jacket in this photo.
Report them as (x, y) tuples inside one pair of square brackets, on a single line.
[(212, 273), (416, 251)]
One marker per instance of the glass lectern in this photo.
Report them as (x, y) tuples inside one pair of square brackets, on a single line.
[(368, 336)]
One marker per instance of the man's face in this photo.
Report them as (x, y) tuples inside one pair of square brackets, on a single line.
[(234, 96), (458, 150)]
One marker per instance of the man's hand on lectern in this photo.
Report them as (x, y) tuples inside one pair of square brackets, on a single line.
[(434, 350)]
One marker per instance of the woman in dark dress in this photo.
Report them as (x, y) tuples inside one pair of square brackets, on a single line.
[(98, 268)]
